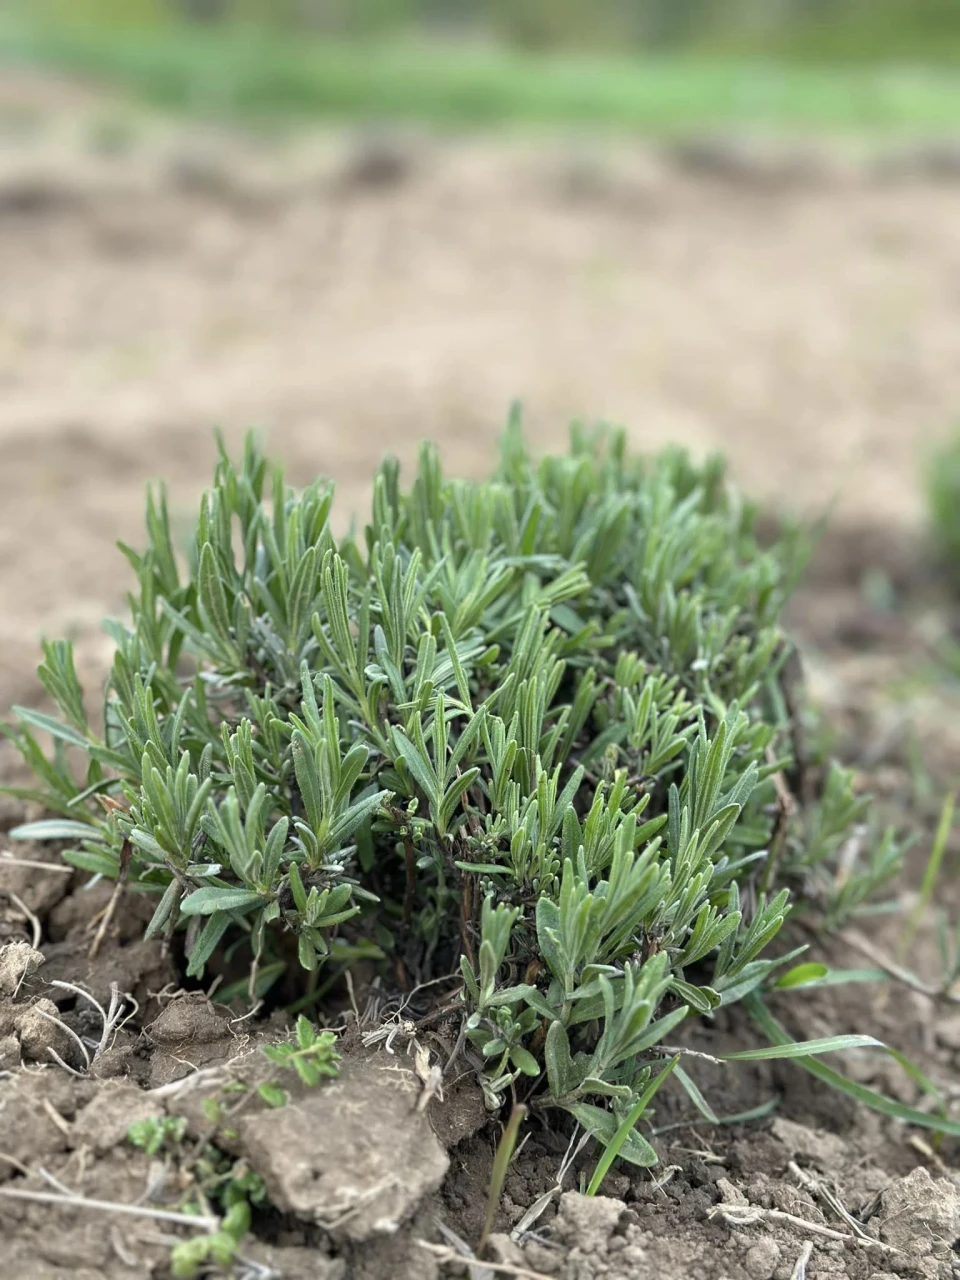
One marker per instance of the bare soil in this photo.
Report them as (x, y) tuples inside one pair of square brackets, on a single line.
[(354, 296)]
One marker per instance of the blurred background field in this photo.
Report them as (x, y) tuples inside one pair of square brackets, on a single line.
[(653, 64), (359, 223)]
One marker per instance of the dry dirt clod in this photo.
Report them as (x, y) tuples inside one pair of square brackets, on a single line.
[(762, 1259), (600, 1240), (355, 1155), (919, 1214), (937, 161), (749, 164), (500, 1248), (729, 1194), (189, 1034), (24, 878), (588, 1216), (33, 1108), (38, 1035), (188, 1020), (104, 1122), (378, 160), (9, 1053), (826, 1150), (17, 961), (948, 1031)]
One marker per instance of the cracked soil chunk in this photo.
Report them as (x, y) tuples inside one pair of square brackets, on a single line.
[(17, 961), (589, 1227), (39, 1034), (104, 1122), (355, 1156), (188, 1020), (826, 1150), (920, 1215)]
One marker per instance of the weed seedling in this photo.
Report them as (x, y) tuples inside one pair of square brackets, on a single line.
[(215, 1182), (157, 1133), (312, 1057)]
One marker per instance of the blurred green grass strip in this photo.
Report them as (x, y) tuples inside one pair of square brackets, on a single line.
[(235, 71)]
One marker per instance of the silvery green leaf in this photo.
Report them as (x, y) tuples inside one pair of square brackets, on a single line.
[(563, 1075), (204, 902), (603, 1126), (54, 829)]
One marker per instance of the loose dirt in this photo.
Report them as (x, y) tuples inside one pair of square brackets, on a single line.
[(353, 296)]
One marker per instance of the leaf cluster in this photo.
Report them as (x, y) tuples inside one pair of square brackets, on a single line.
[(525, 730)]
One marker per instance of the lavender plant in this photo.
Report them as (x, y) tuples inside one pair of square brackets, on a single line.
[(524, 731)]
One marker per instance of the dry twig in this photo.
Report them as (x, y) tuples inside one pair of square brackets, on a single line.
[(28, 915), (7, 859), (110, 1206), (750, 1215), (799, 1271), (824, 1193), (444, 1253)]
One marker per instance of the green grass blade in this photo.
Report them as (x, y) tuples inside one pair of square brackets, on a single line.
[(860, 1093), (930, 874), (740, 1117), (844, 977), (501, 1163), (695, 1096), (49, 724), (620, 1137), (803, 1048), (801, 975)]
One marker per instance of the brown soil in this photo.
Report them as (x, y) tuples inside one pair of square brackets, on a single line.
[(355, 298)]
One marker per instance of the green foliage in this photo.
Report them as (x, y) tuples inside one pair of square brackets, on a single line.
[(943, 495), (234, 1189), (931, 874), (529, 730), (840, 856), (157, 1132), (191, 1258), (273, 1094), (626, 1132), (276, 75), (313, 1057), (862, 29), (212, 1179)]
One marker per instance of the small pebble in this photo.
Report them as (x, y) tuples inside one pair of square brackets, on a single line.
[(762, 1260)]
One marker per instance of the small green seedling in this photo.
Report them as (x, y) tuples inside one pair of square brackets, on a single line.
[(213, 1178), (313, 1057), (157, 1133), (191, 1258), (943, 496), (931, 874), (273, 1094)]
